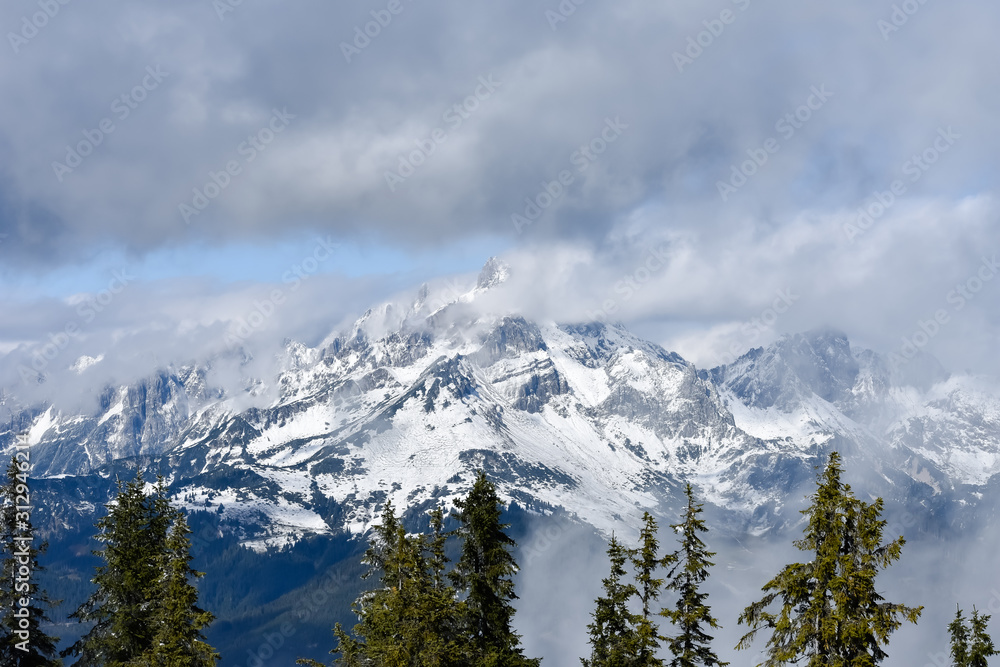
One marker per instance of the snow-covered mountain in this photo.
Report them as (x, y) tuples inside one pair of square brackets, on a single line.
[(416, 396)]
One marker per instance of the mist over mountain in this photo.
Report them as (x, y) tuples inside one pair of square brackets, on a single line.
[(414, 397), (583, 426)]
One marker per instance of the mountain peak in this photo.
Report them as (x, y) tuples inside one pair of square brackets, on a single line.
[(494, 272), (795, 366), (826, 333)]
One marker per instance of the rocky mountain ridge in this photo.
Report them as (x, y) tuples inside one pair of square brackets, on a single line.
[(587, 417)]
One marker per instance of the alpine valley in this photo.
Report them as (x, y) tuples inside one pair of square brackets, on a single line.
[(579, 424)]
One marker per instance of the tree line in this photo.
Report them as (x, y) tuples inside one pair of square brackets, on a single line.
[(824, 612), (425, 610)]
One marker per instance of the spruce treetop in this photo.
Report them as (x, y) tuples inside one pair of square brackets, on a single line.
[(692, 645), (830, 611)]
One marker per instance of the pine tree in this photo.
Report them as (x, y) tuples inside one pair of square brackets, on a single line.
[(134, 537), (378, 557), (414, 617), (830, 611), (392, 637), (484, 572), (646, 562), (981, 644), (438, 560), (444, 612), (692, 646), (613, 639), (21, 646), (141, 610), (373, 631), (959, 640), (179, 641)]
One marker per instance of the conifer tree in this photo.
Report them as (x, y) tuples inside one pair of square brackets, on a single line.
[(981, 646), (959, 640), (179, 641), (691, 614), (414, 617), (613, 639), (382, 558), (393, 620), (971, 645), (484, 573), (830, 611), (445, 613), (20, 594), (438, 560), (646, 562), (134, 534), (142, 612)]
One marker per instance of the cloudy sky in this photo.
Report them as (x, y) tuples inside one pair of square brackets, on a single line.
[(689, 168)]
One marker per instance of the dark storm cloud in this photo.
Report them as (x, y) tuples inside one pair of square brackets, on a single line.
[(701, 88)]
